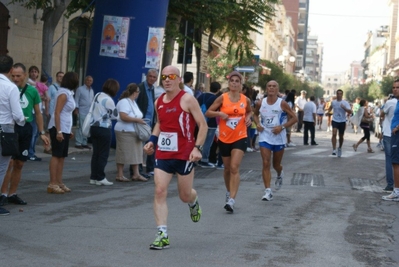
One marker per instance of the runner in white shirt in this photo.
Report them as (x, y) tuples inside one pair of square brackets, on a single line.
[(340, 107)]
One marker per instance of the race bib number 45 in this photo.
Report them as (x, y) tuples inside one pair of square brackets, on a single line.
[(167, 142), (232, 122)]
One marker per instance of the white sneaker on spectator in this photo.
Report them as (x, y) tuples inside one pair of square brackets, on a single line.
[(291, 144), (104, 182)]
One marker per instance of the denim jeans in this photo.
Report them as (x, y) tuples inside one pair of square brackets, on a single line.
[(35, 135), (101, 140), (388, 162), (80, 139), (208, 143)]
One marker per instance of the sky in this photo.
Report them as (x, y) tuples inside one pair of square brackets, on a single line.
[(342, 26)]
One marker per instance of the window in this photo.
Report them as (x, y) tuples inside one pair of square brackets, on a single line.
[(78, 46), (4, 16)]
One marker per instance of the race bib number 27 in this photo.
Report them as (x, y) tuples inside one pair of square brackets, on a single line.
[(167, 142)]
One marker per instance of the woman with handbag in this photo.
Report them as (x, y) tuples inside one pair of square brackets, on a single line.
[(129, 148), (101, 131), (364, 120)]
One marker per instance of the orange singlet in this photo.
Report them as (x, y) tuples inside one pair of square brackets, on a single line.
[(234, 128)]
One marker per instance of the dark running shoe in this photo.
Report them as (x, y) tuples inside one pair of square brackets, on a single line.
[(388, 189), (3, 200), (14, 199), (4, 212), (35, 158)]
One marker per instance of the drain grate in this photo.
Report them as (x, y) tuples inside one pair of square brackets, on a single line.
[(307, 179), (365, 184), (250, 175)]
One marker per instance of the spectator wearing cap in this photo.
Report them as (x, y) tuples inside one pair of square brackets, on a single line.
[(234, 111), (300, 104)]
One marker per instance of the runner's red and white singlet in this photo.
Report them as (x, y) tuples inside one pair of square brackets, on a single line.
[(176, 139)]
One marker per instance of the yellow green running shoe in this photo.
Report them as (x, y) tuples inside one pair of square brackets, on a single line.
[(160, 242), (195, 212)]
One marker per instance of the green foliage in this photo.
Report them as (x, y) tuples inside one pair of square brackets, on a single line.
[(374, 91), (386, 85), (229, 19), (318, 91), (73, 7), (221, 65), (34, 4), (285, 81)]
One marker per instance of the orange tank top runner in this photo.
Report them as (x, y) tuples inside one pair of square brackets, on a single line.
[(234, 128), (176, 140)]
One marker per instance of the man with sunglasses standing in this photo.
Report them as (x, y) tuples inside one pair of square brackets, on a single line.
[(176, 150)]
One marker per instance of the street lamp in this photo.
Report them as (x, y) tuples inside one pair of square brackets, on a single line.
[(301, 75), (285, 58)]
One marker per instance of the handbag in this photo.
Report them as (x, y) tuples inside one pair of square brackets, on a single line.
[(9, 144), (143, 131), (367, 120), (89, 120)]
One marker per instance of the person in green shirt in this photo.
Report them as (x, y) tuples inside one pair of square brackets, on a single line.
[(29, 100)]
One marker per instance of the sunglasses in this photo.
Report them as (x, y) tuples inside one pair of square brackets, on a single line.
[(170, 76)]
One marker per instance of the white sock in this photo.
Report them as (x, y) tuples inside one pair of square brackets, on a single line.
[(193, 204), (163, 229)]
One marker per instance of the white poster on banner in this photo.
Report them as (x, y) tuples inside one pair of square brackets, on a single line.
[(114, 36), (154, 47)]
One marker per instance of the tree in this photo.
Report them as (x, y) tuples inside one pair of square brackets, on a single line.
[(386, 85), (52, 13), (231, 20), (374, 90)]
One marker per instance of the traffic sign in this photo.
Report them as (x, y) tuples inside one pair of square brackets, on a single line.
[(245, 69)]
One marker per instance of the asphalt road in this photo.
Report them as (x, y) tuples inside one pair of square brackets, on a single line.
[(328, 212)]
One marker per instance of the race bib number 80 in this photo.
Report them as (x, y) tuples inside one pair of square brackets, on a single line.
[(167, 142)]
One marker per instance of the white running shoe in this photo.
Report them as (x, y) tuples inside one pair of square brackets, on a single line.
[(279, 180), (104, 182), (392, 197), (227, 196), (230, 205), (334, 153), (291, 144), (339, 152), (249, 149), (268, 196)]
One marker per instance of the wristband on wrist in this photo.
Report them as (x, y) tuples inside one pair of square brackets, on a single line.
[(153, 139)]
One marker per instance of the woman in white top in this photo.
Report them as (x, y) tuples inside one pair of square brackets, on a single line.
[(104, 111), (272, 135), (129, 148), (60, 127)]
